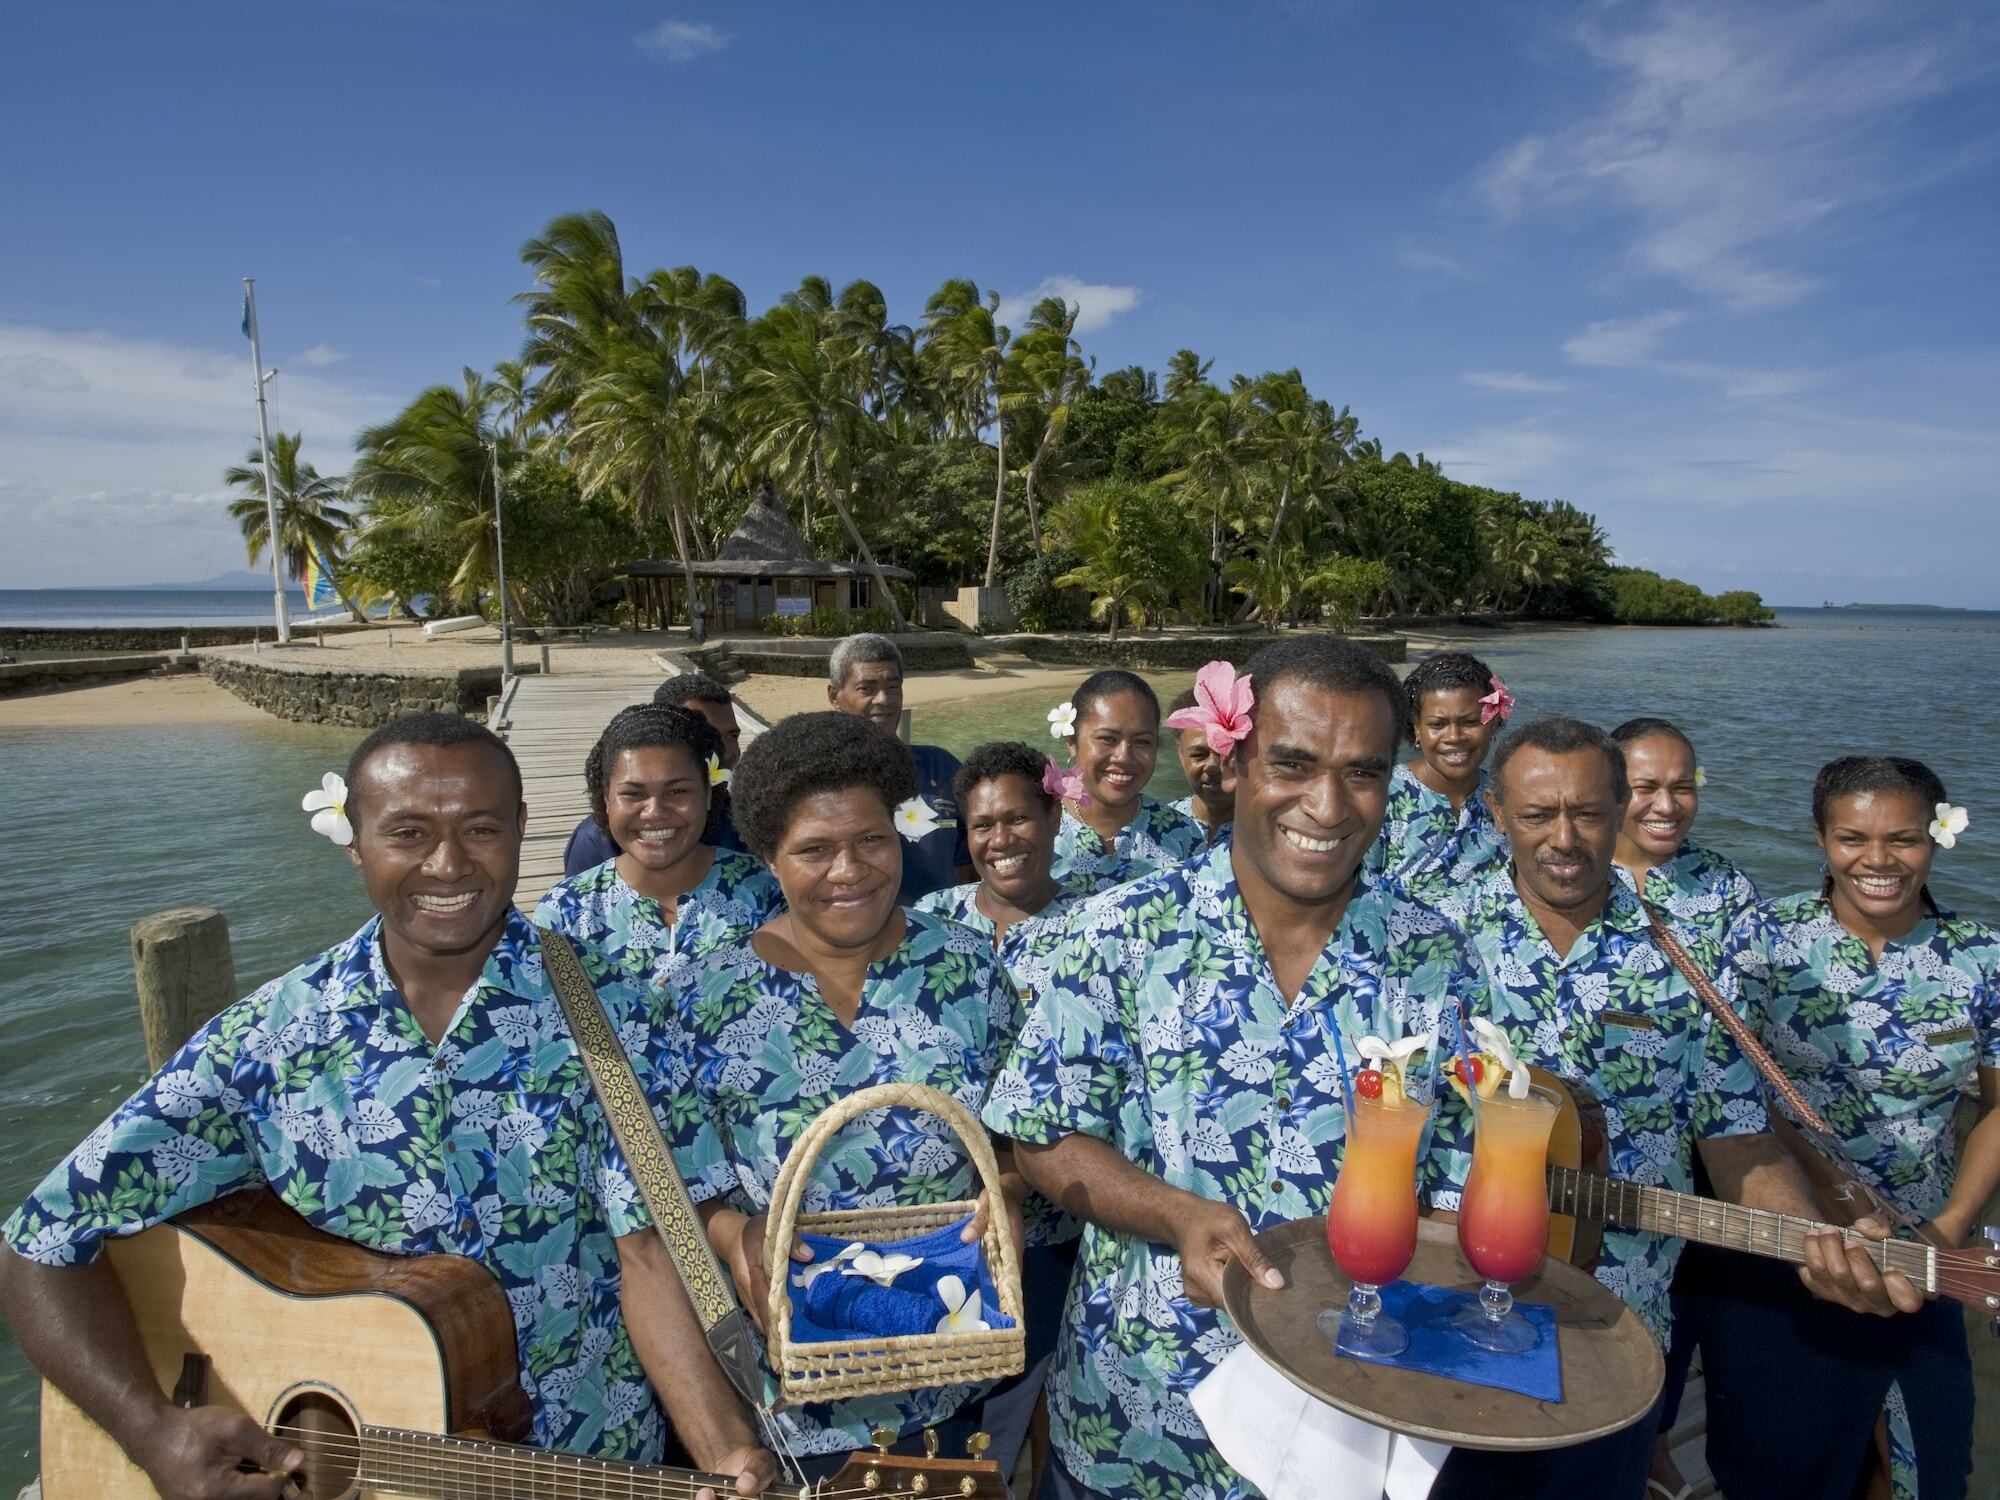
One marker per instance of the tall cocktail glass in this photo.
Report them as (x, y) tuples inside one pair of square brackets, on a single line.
[(1503, 1217), (1371, 1224)]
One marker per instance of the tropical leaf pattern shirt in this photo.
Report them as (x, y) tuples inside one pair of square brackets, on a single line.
[(1434, 851), (1882, 1051), (1162, 1033), (630, 932), (1157, 837), (1698, 890), (1028, 952), (1615, 1016), (489, 1144), (1186, 808), (754, 1055)]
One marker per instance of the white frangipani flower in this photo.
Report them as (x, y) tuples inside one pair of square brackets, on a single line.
[(806, 1275), (1492, 1039), (1949, 823), (1700, 777), (915, 818), (717, 775), (881, 1269), (961, 1309), (1062, 721), (328, 805)]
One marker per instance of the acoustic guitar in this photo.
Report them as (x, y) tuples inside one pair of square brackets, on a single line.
[(1582, 1199), (394, 1375)]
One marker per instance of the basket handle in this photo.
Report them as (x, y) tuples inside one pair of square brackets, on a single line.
[(788, 1194)]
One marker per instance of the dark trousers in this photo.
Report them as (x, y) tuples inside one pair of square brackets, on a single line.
[(1794, 1385), (1606, 1468)]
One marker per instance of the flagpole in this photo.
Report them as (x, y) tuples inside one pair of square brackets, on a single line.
[(278, 609)]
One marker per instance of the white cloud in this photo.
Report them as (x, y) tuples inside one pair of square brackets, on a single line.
[(319, 356), (1513, 382), (112, 452), (1507, 456), (682, 41), (1621, 341), (1731, 137), (1096, 303), (1429, 262)]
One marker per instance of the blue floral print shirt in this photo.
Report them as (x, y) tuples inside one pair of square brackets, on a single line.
[(1881, 1051), (1615, 1016), (1157, 837), (489, 1144), (1434, 852), (1185, 807), (1698, 890), (757, 1055), (630, 932), (1161, 1032)]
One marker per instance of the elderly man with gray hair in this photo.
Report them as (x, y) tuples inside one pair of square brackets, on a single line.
[(865, 679)]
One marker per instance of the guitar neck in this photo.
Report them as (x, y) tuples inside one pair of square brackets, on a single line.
[(1757, 1231)]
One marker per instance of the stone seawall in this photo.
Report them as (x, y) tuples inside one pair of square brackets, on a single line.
[(148, 637), (1167, 652), (932, 651), (325, 695), (74, 671)]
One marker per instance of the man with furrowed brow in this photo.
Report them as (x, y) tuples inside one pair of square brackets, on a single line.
[(413, 1089), (1199, 995)]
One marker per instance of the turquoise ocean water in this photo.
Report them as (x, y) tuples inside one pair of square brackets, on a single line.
[(100, 827)]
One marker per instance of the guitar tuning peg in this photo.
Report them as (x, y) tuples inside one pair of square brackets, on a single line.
[(977, 1444), (930, 1442), (881, 1437)]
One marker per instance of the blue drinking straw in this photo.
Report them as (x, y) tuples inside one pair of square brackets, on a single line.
[(1346, 1073)]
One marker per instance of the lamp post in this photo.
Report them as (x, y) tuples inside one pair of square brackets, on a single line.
[(500, 566), (280, 614)]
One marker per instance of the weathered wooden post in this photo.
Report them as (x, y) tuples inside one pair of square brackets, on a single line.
[(186, 974)]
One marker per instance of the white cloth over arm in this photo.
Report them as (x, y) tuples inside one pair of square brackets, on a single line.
[(1293, 1447)]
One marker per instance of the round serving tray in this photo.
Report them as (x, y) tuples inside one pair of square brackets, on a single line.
[(1611, 1367)]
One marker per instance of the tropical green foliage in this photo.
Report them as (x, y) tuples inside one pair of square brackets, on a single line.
[(646, 408), (1641, 597), (313, 519)]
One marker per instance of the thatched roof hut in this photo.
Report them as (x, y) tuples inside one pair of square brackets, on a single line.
[(764, 568)]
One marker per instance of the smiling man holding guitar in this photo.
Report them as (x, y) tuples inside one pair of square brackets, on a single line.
[(1576, 981), (414, 1090)]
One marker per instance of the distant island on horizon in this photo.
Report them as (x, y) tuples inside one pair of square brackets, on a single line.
[(1942, 609)]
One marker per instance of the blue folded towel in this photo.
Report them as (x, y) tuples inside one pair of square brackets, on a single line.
[(1436, 1348), (833, 1306)]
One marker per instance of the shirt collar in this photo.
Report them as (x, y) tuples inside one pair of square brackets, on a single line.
[(517, 940)]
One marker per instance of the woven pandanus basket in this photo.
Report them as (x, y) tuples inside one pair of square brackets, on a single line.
[(836, 1370)]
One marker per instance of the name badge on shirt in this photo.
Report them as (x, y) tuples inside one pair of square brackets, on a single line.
[(1952, 1037), (1630, 1021)]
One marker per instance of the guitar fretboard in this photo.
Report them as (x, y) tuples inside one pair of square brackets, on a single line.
[(1758, 1231), (392, 1461)]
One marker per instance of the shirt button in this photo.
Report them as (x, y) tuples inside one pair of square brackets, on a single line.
[(1284, 1101), (451, 1145)]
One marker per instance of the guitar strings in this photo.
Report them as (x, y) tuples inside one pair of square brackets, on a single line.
[(419, 1460)]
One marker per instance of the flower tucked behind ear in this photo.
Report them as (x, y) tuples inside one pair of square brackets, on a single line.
[(1062, 721), (717, 776), (1064, 785), (1700, 777), (328, 805), (1947, 825), (1497, 704), (1222, 704), (961, 1311), (915, 818)]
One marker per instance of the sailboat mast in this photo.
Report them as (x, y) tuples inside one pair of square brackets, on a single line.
[(279, 612)]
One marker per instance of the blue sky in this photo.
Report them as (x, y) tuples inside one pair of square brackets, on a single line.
[(1723, 275)]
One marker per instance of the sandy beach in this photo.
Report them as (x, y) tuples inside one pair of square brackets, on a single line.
[(150, 701)]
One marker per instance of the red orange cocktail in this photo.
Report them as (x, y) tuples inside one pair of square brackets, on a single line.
[(1371, 1225), (1503, 1217)]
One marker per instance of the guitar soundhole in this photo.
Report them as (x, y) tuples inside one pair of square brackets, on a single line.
[(325, 1432)]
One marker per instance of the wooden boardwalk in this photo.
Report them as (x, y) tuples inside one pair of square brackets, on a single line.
[(551, 723)]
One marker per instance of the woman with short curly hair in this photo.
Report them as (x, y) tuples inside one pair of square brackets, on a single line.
[(841, 990)]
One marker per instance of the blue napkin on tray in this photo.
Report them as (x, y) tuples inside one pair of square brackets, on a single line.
[(1436, 1348), (832, 1306)]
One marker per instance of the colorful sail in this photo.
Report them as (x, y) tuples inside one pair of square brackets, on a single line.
[(317, 584)]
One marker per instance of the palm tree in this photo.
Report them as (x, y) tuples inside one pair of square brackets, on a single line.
[(965, 347), (1042, 378), (1208, 435), (313, 519), (429, 470), (803, 406)]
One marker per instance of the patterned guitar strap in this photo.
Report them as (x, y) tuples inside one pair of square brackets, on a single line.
[(723, 1320), (1813, 1128)]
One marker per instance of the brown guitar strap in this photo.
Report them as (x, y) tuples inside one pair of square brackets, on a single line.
[(680, 1229), (1815, 1129)]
